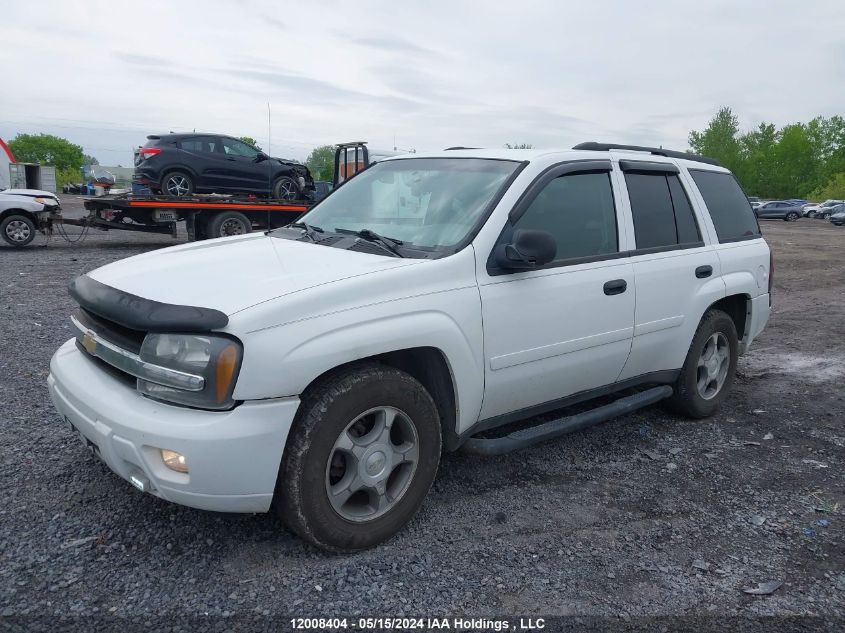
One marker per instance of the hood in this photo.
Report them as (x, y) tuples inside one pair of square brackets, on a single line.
[(233, 273), (30, 193)]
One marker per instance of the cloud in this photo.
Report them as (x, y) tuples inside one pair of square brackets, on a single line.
[(140, 60), (391, 44)]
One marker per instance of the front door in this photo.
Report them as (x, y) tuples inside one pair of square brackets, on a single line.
[(244, 171), (566, 327)]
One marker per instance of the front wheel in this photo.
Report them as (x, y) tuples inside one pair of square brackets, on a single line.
[(709, 368), (361, 457), (792, 216), (285, 188), (17, 230)]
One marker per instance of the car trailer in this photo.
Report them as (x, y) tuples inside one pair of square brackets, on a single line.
[(205, 216)]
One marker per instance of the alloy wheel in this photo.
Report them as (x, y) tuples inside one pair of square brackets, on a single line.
[(713, 365), (372, 463), (177, 186), (18, 231)]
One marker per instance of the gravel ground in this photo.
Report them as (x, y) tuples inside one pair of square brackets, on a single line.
[(648, 516)]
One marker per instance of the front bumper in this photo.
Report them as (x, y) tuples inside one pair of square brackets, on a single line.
[(233, 457)]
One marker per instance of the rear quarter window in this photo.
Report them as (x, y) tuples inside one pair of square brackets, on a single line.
[(728, 205)]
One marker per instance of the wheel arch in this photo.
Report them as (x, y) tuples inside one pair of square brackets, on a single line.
[(431, 368), (738, 308), (17, 211)]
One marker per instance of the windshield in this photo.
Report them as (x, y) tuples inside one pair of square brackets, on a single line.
[(427, 203)]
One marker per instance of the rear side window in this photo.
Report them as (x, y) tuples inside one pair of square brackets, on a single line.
[(661, 210), (729, 208), (578, 211), (199, 144)]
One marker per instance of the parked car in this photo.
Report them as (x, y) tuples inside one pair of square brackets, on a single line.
[(183, 164), (430, 298), (837, 214), (23, 213), (822, 210), (778, 210)]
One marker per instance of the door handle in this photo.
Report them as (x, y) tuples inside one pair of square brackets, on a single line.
[(230, 158), (615, 287), (703, 271)]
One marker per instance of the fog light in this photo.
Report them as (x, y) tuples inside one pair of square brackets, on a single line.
[(174, 461)]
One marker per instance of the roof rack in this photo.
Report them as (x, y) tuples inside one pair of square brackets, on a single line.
[(657, 151)]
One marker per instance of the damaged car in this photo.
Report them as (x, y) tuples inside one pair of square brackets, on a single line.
[(181, 165)]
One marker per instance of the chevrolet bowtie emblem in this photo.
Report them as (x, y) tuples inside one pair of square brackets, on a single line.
[(89, 343)]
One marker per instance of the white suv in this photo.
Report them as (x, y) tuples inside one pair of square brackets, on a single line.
[(428, 299)]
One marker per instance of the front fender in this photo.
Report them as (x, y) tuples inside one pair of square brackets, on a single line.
[(284, 360)]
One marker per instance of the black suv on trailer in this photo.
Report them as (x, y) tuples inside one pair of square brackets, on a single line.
[(184, 164)]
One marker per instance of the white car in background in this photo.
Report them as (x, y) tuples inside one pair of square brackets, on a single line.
[(822, 210), (22, 212)]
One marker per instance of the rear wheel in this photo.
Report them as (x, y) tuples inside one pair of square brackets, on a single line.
[(285, 188), (177, 183), (229, 223), (360, 458), (17, 230), (791, 216), (708, 371)]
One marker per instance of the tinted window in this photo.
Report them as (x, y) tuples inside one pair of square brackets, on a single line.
[(685, 222), (202, 145), (651, 206), (732, 215), (661, 209), (578, 211), (236, 148)]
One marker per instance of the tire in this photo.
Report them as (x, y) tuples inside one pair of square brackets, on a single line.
[(285, 188), (229, 223), (825, 216), (336, 412), (17, 230), (688, 399), (792, 216), (178, 184)]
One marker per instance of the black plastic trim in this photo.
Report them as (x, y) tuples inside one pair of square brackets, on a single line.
[(550, 173), (664, 377), (137, 313), (657, 151), (648, 167), (523, 438), (664, 249)]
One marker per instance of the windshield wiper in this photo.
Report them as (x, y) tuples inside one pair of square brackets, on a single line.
[(371, 236), (309, 231)]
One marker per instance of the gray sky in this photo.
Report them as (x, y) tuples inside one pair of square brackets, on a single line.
[(430, 74)]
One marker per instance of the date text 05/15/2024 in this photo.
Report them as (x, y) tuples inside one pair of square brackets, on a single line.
[(419, 624)]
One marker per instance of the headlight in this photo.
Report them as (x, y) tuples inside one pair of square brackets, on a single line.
[(50, 202), (216, 359)]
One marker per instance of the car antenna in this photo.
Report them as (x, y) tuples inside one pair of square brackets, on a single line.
[(269, 154)]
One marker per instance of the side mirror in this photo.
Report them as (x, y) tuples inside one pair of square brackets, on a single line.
[(261, 156), (528, 249)]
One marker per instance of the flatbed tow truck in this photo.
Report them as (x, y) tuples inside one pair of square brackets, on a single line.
[(205, 216)]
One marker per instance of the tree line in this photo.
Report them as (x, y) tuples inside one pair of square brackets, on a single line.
[(799, 160)]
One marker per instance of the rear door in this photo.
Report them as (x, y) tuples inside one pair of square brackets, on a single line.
[(203, 154), (677, 270), (566, 327)]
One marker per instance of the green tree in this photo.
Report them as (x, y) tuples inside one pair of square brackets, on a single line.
[(250, 141), (519, 146), (47, 149), (89, 160), (834, 189), (320, 162), (719, 140)]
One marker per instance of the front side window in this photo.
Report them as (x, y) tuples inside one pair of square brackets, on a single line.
[(661, 210), (729, 208), (579, 212), (427, 203), (232, 147)]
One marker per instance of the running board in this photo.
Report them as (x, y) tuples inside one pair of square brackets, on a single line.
[(562, 426)]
